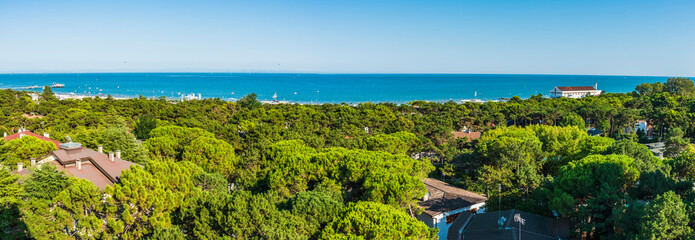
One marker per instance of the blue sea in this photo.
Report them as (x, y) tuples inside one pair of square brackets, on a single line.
[(321, 88)]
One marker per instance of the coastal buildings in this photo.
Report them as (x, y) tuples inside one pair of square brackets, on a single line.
[(575, 92), (443, 203), (78, 161)]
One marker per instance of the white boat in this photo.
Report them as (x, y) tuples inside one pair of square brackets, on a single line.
[(57, 85)]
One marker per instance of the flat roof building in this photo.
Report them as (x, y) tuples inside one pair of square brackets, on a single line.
[(575, 92)]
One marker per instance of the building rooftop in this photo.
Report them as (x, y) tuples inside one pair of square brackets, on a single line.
[(91, 173), (96, 166), (583, 88), (29, 133), (444, 197)]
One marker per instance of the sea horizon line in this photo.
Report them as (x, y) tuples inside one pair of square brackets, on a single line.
[(331, 73)]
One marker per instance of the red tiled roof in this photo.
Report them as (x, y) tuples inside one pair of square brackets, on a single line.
[(28, 133), (585, 88), (471, 135)]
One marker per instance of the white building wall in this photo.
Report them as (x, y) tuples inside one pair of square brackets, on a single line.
[(573, 94), (439, 221), (641, 126)]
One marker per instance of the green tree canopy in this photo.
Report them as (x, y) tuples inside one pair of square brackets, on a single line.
[(46, 182), (595, 173), (146, 123), (23, 149), (675, 143), (211, 154), (395, 143), (644, 159), (169, 142), (666, 217), (369, 220)]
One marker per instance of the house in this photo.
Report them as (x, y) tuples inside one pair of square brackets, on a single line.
[(23, 132), (504, 225), (575, 92), (444, 202), (82, 162), (78, 161), (645, 128)]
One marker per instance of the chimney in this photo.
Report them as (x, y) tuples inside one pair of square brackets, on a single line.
[(111, 156), (5, 135), (118, 154), (596, 85), (79, 164), (21, 135), (33, 162), (100, 149), (19, 166), (46, 135)]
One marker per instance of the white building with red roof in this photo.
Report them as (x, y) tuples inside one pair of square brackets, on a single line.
[(575, 92)]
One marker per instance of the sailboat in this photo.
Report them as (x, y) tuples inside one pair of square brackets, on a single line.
[(474, 100)]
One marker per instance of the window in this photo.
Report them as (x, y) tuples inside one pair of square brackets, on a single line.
[(451, 218)]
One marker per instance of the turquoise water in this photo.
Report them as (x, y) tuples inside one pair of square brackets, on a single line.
[(334, 88)]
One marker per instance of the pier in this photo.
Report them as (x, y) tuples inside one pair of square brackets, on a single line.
[(54, 85)]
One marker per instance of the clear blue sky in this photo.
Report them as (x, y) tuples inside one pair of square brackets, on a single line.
[(622, 37)]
